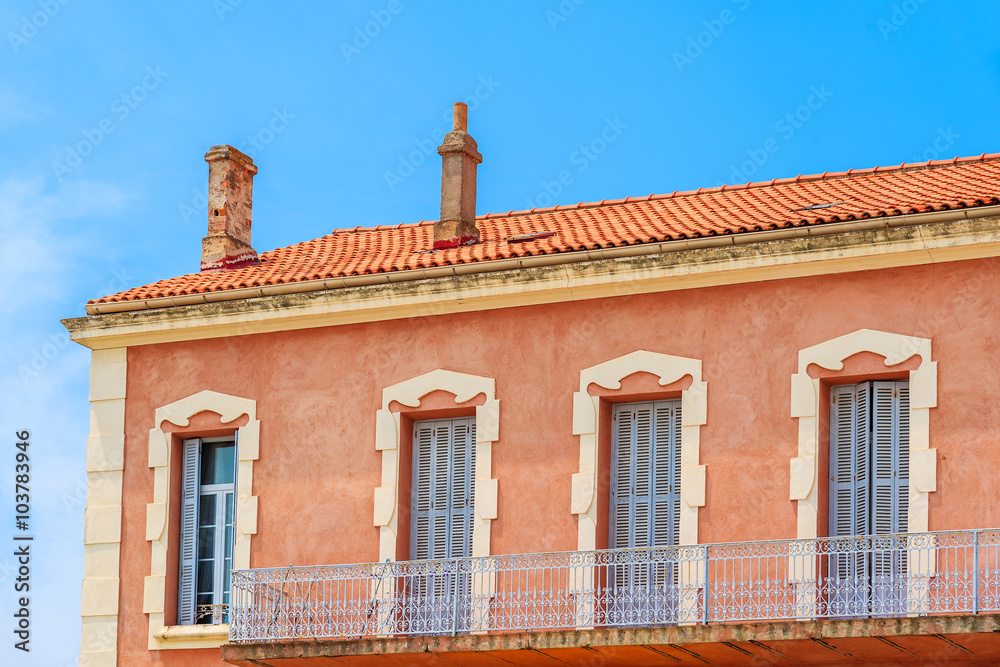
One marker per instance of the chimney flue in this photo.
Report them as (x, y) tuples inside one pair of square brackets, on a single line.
[(459, 157), (230, 201)]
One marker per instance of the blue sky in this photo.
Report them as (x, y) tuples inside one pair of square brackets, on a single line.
[(107, 109)]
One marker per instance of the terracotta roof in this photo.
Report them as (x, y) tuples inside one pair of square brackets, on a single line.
[(856, 194)]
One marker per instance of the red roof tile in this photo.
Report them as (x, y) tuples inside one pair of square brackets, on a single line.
[(782, 202)]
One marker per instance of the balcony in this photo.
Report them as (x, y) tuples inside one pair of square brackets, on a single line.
[(894, 588)]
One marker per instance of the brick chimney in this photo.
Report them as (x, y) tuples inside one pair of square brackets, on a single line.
[(230, 200), (459, 157)]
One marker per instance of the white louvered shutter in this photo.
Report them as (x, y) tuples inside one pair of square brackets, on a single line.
[(642, 466), (903, 462), (425, 492), (645, 484), (622, 500), (849, 460), (646, 471), (666, 472), (443, 488), (463, 460), (189, 531), (890, 453), (666, 483), (891, 449), (849, 493)]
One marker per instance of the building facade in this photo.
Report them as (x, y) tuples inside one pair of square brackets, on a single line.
[(743, 425)]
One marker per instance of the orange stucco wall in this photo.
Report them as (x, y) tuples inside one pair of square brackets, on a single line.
[(317, 392)]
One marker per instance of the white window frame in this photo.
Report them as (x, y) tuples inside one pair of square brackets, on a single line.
[(409, 394), (220, 585), (587, 425), (805, 406), (804, 468), (229, 408)]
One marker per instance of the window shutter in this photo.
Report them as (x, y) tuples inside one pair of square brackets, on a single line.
[(463, 452), (622, 500), (440, 458), (891, 453), (903, 456), (849, 460), (443, 495), (642, 465), (189, 527), (423, 493), (666, 473), (884, 448)]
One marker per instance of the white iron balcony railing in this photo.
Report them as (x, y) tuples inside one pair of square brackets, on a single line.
[(955, 572)]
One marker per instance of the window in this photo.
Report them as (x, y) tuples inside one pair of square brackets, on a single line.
[(645, 506), (206, 553), (869, 487), (441, 516)]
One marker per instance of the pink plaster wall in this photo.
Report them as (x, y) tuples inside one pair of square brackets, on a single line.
[(317, 392)]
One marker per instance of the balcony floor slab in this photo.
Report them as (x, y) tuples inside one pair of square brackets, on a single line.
[(952, 640)]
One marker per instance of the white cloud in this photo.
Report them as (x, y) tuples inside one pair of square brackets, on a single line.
[(48, 238)]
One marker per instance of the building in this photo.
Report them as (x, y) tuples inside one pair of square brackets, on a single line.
[(744, 425)]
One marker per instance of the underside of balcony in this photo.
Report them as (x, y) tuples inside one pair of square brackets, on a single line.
[(952, 640)]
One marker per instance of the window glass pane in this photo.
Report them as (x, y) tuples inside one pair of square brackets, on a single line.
[(206, 578), (206, 543), (218, 463), (207, 510), (226, 579), (229, 526)]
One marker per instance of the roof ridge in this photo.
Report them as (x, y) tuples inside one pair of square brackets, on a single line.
[(678, 194), (825, 176)]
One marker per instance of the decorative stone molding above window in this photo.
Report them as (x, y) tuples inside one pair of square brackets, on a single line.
[(804, 468), (586, 424), (387, 440), (229, 408)]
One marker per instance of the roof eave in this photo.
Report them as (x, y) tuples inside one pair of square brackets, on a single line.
[(490, 266)]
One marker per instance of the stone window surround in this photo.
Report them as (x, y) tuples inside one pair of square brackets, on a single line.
[(229, 408), (586, 424), (387, 440), (805, 396)]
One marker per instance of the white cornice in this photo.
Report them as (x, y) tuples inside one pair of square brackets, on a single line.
[(750, 257)]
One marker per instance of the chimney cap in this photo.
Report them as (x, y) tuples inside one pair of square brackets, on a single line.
[(460, 117), (227, 152)]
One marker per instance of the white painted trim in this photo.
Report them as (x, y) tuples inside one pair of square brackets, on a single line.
[(586, 424), (387, 440), (229, 408), (103, 514), (804, 468)]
